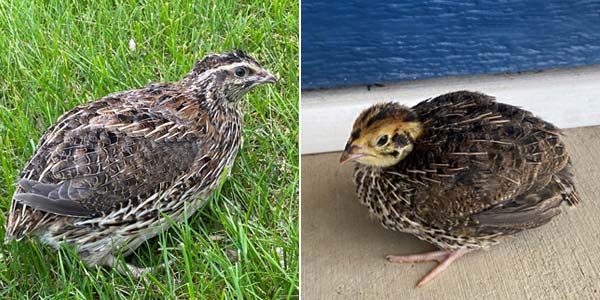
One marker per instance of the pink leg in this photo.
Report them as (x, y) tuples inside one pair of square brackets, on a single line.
[(444, 257), (438, 256)]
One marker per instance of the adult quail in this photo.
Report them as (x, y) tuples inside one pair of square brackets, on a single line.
[(460, 171), (108, 173)]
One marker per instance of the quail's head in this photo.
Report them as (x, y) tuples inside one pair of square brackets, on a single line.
[(228, 76), (382, 135)]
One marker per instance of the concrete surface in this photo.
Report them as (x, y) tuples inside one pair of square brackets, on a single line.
[(343, 250)]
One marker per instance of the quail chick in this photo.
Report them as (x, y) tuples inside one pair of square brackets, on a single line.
[(460, 171), (104, 177)]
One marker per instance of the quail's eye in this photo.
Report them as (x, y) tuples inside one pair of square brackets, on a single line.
[(382, 140), (240, 72)]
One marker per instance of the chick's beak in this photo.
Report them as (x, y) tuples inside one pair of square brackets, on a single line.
[(266, 77), (351, 153)]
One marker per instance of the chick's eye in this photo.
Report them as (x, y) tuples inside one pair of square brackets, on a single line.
[(240, 72), (382, 140)]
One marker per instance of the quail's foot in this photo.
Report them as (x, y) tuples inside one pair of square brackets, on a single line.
[(443, 257), (137, 272)]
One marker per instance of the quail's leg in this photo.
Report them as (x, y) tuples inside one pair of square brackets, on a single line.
[(443, 257), (137, 272)]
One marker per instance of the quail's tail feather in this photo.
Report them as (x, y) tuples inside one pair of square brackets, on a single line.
[(19, 222), (22, 218), (564, 179)]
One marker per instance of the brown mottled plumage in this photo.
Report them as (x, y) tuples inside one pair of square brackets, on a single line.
[(459, 171), (103, 176)]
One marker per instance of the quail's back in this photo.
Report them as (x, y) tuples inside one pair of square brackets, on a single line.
[(105, 175), (459, 171)]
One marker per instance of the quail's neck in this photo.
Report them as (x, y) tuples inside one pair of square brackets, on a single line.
[(207, 90), (368, 168), (197, 104)]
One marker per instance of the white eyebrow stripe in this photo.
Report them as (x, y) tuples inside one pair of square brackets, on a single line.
[(235, 65), (229, 67)]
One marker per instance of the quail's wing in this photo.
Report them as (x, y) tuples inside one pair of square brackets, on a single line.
[(474, 159), (90, 163), (528, 210)]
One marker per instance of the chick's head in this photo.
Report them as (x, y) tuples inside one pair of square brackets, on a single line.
[(382, 135)]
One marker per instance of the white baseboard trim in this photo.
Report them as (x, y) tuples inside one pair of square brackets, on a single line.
[(568, 97)]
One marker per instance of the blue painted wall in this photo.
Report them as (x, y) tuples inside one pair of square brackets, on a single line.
[(365, 42)]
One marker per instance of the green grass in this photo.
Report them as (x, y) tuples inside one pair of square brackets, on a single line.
[(57, 54)]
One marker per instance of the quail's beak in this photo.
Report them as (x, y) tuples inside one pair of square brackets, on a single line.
[(266, 77), (351, 153)]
